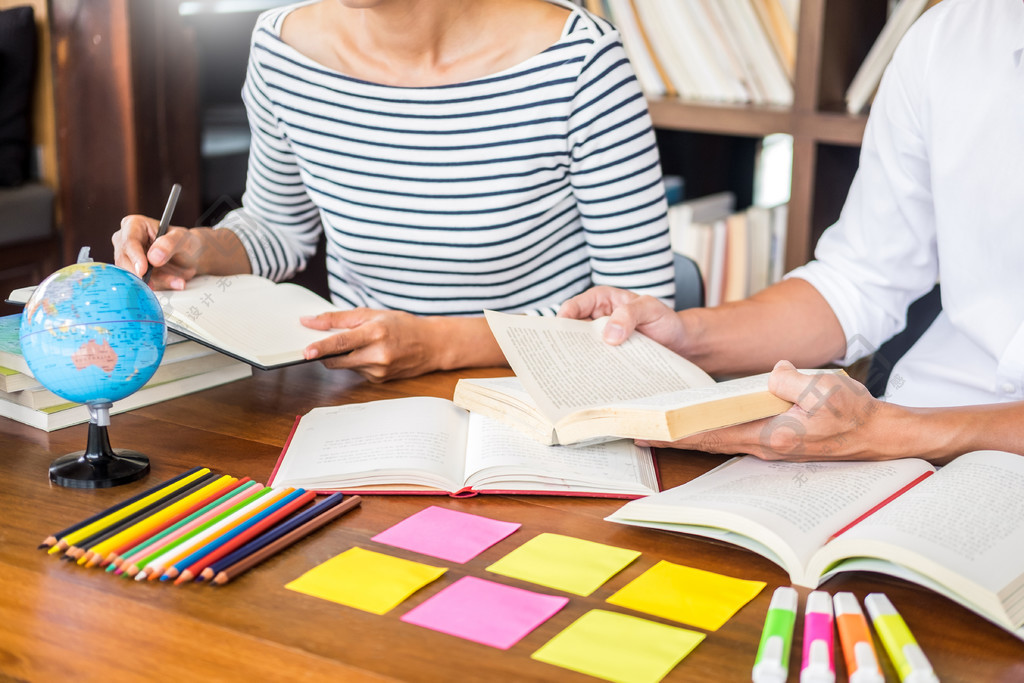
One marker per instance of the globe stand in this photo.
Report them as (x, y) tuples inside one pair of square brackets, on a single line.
[(99, 466)]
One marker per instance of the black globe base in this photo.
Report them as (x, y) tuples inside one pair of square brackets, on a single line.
[(99, 466)]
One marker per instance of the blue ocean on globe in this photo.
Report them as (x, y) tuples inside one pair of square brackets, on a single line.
[(93, 332)]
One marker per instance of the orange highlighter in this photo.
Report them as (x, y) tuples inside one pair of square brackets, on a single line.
[(855, 636)]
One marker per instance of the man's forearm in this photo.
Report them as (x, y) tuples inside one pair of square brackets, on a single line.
[(941, 434), (788, 321)]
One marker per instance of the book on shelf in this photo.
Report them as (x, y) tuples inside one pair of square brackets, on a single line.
[(428, 445), (635, 43), (865, 82), (223, 311), (781, 32), (572, 387), (903, 518), (738, 252), (67, 414)]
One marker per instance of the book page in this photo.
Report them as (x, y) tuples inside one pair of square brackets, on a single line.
[(566, 366), (420, 440), (498, 455), (247, 315), (793, 508), (968, 520)]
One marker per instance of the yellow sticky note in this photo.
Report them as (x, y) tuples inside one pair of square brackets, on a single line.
[(372, 582), (618, 647), (693, 596), (565, 563)]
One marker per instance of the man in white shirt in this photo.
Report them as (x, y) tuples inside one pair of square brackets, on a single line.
[(937, 197)]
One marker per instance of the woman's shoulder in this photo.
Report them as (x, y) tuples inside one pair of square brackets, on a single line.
[(294, 18)]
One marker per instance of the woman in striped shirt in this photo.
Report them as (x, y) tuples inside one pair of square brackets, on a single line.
[(468, 155)]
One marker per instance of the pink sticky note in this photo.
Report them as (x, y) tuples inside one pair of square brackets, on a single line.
[(485, 612), (447, 534)]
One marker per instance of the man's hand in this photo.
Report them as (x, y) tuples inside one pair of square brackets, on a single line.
[(833, 417), (626, 312)]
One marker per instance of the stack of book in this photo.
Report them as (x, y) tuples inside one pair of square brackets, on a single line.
[(738, 252), (706, 50), (185, 368)]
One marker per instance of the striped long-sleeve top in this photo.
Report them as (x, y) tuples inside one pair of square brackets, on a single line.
[(511, 192)]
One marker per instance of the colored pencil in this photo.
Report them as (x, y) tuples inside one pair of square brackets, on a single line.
[(151, 544), (78, 549), (190, 567), (213, 535), (270, 549), (58, 538), (105, 552), (180, 534), (183, 545), (271, 535)]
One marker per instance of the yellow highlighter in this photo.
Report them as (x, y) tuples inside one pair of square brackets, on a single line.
[(904, 652)]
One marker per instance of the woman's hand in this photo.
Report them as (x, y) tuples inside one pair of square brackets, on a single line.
[(833, 417), (386, 345), (174, 256)]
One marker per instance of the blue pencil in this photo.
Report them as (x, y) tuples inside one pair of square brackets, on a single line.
[(272, 535)]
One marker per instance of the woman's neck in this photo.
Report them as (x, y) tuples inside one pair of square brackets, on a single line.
[(423, 43)]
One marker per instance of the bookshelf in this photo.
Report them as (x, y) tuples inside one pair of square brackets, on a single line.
[(833, 36)]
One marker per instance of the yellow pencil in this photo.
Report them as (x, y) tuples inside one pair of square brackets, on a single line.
[(118, 515), (104, 552)]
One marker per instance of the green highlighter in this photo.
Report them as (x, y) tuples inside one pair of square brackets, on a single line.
[(906, 655), (772, 662)]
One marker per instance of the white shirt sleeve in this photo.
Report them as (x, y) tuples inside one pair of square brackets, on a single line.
[(881, 255)]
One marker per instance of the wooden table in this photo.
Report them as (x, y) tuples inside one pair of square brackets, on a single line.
[(59, 620)]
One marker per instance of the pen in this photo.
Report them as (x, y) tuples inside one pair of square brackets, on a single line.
[(906, 655), (818, 666), (855, 637), (165, 222), (772, 662)]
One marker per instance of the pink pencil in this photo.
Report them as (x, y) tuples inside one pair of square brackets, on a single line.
[(130, 565)]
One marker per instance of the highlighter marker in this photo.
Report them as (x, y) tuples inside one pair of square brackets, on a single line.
[(855, 637), (772, 662), (906, 655), (818, 666)]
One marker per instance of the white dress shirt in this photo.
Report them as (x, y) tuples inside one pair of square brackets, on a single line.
[(939, 196)]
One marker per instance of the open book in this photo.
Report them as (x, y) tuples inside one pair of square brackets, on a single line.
[(248, 317), (572, 387), (428, 445), (958, 531)]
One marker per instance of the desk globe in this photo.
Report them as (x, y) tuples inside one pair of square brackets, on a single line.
[(94, 333)]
